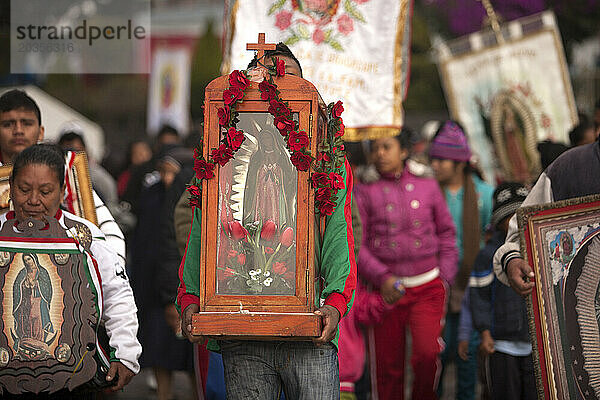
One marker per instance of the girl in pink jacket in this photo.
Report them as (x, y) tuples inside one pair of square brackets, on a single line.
[(409, 254)]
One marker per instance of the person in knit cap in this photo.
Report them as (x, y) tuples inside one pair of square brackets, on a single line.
[(409, 256), (498, 313), (469, 199)]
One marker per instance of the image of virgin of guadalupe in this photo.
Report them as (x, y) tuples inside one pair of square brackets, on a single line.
[(513, 131), (32, 293), (271, 182), (563, 248)]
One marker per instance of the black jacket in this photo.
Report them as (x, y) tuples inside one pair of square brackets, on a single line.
[(495, 306)]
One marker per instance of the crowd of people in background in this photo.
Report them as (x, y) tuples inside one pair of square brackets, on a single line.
[(484, 324), (430, 226)]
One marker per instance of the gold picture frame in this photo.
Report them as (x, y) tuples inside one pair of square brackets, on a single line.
[(79, 188), (561, 243)]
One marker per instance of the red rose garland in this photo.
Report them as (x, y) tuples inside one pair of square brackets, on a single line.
[(325, 181), (330, 159)]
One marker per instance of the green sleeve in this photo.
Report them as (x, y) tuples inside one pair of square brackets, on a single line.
[(189, 270), (338, 266)]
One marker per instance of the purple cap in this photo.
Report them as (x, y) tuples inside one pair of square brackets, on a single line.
[(450, 144)]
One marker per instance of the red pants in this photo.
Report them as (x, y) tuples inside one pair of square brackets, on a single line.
[(421, 310)]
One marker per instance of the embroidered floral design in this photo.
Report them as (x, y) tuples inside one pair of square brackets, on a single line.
[(325, 22)]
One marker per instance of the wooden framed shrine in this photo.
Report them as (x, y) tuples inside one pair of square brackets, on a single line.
[(260, 240)]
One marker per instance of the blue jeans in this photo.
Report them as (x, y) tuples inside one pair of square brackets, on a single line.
[(260, 370)]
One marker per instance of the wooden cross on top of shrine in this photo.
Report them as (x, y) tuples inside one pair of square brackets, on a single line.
[(261, 46)]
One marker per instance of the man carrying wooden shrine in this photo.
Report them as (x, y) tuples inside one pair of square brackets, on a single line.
[(302, 369)]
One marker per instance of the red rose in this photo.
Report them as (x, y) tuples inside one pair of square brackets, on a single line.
[(323, 194), (345, 24), (323, 157), (238, 232), (194, 190), (268, 230), (194, 202), (279, 268), (269, 250), (337, 182), (283, 20), (326, 208), (238, 80), (278, 108), (228, 273), (195, 194), (287, 237), (234, 138), (320, 179), (337, 109), (224, 114), (222, 154), (241, 259), (204, 170), (298, 140), (267, 91), (284, 124), (301, 160), (280, 67), (232, 95), (340, 132), (318, 36)]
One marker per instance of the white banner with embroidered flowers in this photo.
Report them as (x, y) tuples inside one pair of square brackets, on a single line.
[(356, 51)]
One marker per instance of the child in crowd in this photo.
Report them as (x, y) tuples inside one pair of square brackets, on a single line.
[(498, 313)]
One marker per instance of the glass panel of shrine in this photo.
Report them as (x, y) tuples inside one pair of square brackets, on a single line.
[(256, 248)]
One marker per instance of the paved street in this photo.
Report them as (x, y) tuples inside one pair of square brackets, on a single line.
[(138, 388)]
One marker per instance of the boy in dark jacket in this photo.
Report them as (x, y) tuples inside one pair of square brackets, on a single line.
[(499, 314)]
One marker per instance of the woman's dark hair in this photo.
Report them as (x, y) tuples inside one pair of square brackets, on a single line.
[(470, 169), (577, 134), (404, 138), (549, 151), (355, 153), (45, 154), (280, 50), (127, 162), (69, 136)]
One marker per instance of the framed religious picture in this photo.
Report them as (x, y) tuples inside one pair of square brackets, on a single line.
[(50, 307), (78, 194), (262, 222), (561, 242)]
